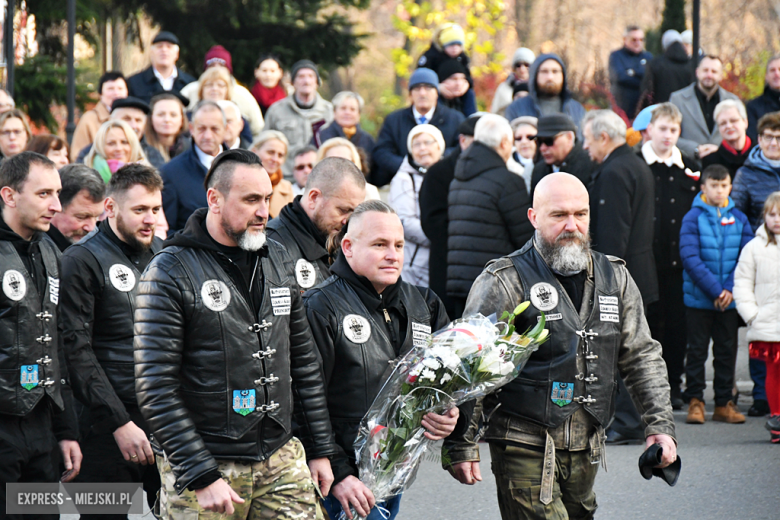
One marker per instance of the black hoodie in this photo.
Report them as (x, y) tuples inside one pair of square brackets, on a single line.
[(666, 74)]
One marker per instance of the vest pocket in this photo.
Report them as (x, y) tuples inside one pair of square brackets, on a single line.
[(208, 410)]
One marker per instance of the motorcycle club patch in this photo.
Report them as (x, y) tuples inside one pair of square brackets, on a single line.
[(544, 296), (122, 277), (305, 274), (357, 329), (244, 401), (29, 377), (562, 393), (14, 285), (216, 295), (54, 290)]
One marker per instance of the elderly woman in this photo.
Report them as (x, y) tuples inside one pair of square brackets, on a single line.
[(166, 129), (340, 147), (14, 133), (524, 129), (272, 148), (216, 85), (731, 117), (116, 144), (346, 123), (426, 145), (52, 146)]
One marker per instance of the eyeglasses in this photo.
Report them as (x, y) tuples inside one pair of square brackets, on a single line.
[(524, 138), (521, 64), (301, 167), (765, 137), (421, 144), (9, 133), (546, 141)]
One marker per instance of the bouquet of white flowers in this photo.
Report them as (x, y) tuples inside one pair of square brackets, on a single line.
[(469, 358)]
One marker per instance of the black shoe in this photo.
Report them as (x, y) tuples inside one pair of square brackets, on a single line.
[(618, 439), (759, 409), (773, 424), (677, 403)]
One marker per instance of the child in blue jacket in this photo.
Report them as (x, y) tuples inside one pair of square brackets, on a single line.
[(712, 235)]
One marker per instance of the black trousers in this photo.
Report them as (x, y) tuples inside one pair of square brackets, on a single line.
[(722, 328), (666, 319), (103, 460), (26, 444)]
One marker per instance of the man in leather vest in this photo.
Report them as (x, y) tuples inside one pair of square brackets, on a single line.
[(31, 355), (546, 427), (221, 340), (364, 317), (100, 276), (334, 188)]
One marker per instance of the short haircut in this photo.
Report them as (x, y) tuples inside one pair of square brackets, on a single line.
[(370, 206), (605, 122), (130, 175), (770, 121), (668, 110), (491, 129), (112, 75), (15, 170), (220, 175), (304, 150), (716, 172), (206, 104), (771, 202), (344, 95), (15, 113), (224, 103), (77, 177), (330, 174), (43, 144), (736, 104), (631, 28), (710, 57), (771, 60)]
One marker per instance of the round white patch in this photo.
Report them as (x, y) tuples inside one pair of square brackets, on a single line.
[(216, 295), (14, 285), (305, 273), (122, 277), (357, 329), (544, 296)]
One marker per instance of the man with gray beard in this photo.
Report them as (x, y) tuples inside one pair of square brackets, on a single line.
[(546, 428), (221, 340)]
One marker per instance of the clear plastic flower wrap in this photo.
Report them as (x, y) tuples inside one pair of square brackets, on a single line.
[(469, 358)]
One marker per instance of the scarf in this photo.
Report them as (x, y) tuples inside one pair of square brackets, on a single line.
[(276, 177), (267, 96)]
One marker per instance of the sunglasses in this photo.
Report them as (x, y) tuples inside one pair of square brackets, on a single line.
[(302, 167), (522, 64), (547, 141), (525, 138)]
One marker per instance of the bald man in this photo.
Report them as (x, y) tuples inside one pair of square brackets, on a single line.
[(547, 433)]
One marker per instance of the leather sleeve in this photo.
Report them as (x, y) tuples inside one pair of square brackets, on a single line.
[(311, 405), (164, 293), (64, 422)]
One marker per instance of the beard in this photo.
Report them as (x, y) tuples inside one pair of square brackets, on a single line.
[(565, 259), (245, 239), (549, 89), (129, 236)]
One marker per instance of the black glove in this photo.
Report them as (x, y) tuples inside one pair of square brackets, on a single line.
[(652, 457)]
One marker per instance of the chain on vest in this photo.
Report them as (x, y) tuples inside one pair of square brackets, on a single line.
[(29, 362), (577, 366)]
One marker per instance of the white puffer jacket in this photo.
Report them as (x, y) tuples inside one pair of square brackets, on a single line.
[(405, 200), (757, 288)]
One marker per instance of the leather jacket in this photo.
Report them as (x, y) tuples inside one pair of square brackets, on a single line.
[(215, 377)]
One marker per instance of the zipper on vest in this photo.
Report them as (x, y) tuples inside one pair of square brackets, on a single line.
[(567, 431), (387, 316)]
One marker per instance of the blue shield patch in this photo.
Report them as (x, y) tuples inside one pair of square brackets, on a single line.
[(28, 377), (244, 401), (562, 393)]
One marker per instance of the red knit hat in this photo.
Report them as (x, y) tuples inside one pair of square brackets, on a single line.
[(218, 55)]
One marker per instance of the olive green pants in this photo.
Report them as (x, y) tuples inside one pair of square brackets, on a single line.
[(518, 473)]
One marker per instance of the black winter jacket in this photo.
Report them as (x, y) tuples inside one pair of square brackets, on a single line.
[(758, 107), (145, 85), (577, 163), (665, 74), (621, 217), (488, 216), (215, 377)]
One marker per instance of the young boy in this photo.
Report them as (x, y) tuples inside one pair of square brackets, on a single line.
[(713, 234)]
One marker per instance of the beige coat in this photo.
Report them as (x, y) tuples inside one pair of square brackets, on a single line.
[(282, 196), (246, 102), (87, 128)]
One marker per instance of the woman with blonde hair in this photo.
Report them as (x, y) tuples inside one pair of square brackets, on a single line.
[(272, 148), (166, 127), (341, 147), (116, 144)]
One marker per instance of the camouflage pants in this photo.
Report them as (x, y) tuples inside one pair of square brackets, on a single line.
[(518, 473), (279, 487)]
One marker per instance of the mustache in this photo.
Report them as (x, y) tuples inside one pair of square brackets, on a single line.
[(570, 234)]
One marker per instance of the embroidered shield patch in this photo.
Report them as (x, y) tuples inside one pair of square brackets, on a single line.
[(29, 377), (562, 393), (244, 401)]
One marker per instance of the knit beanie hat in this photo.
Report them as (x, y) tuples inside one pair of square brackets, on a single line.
[(218, 55), (451, 34), (523, 55), (669, 38), (304, 64), (450, 67), (423, 76), (426, 129)]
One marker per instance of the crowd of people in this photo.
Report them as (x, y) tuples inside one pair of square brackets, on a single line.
[(204, 291)]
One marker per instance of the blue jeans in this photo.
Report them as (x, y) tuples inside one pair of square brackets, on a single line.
[(334, 509), (758, 375)]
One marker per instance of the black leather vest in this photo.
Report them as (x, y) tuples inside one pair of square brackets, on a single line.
[(577, 366), (112, 330), (309, 272), (29, 362), (363, 351), (237, 360)]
